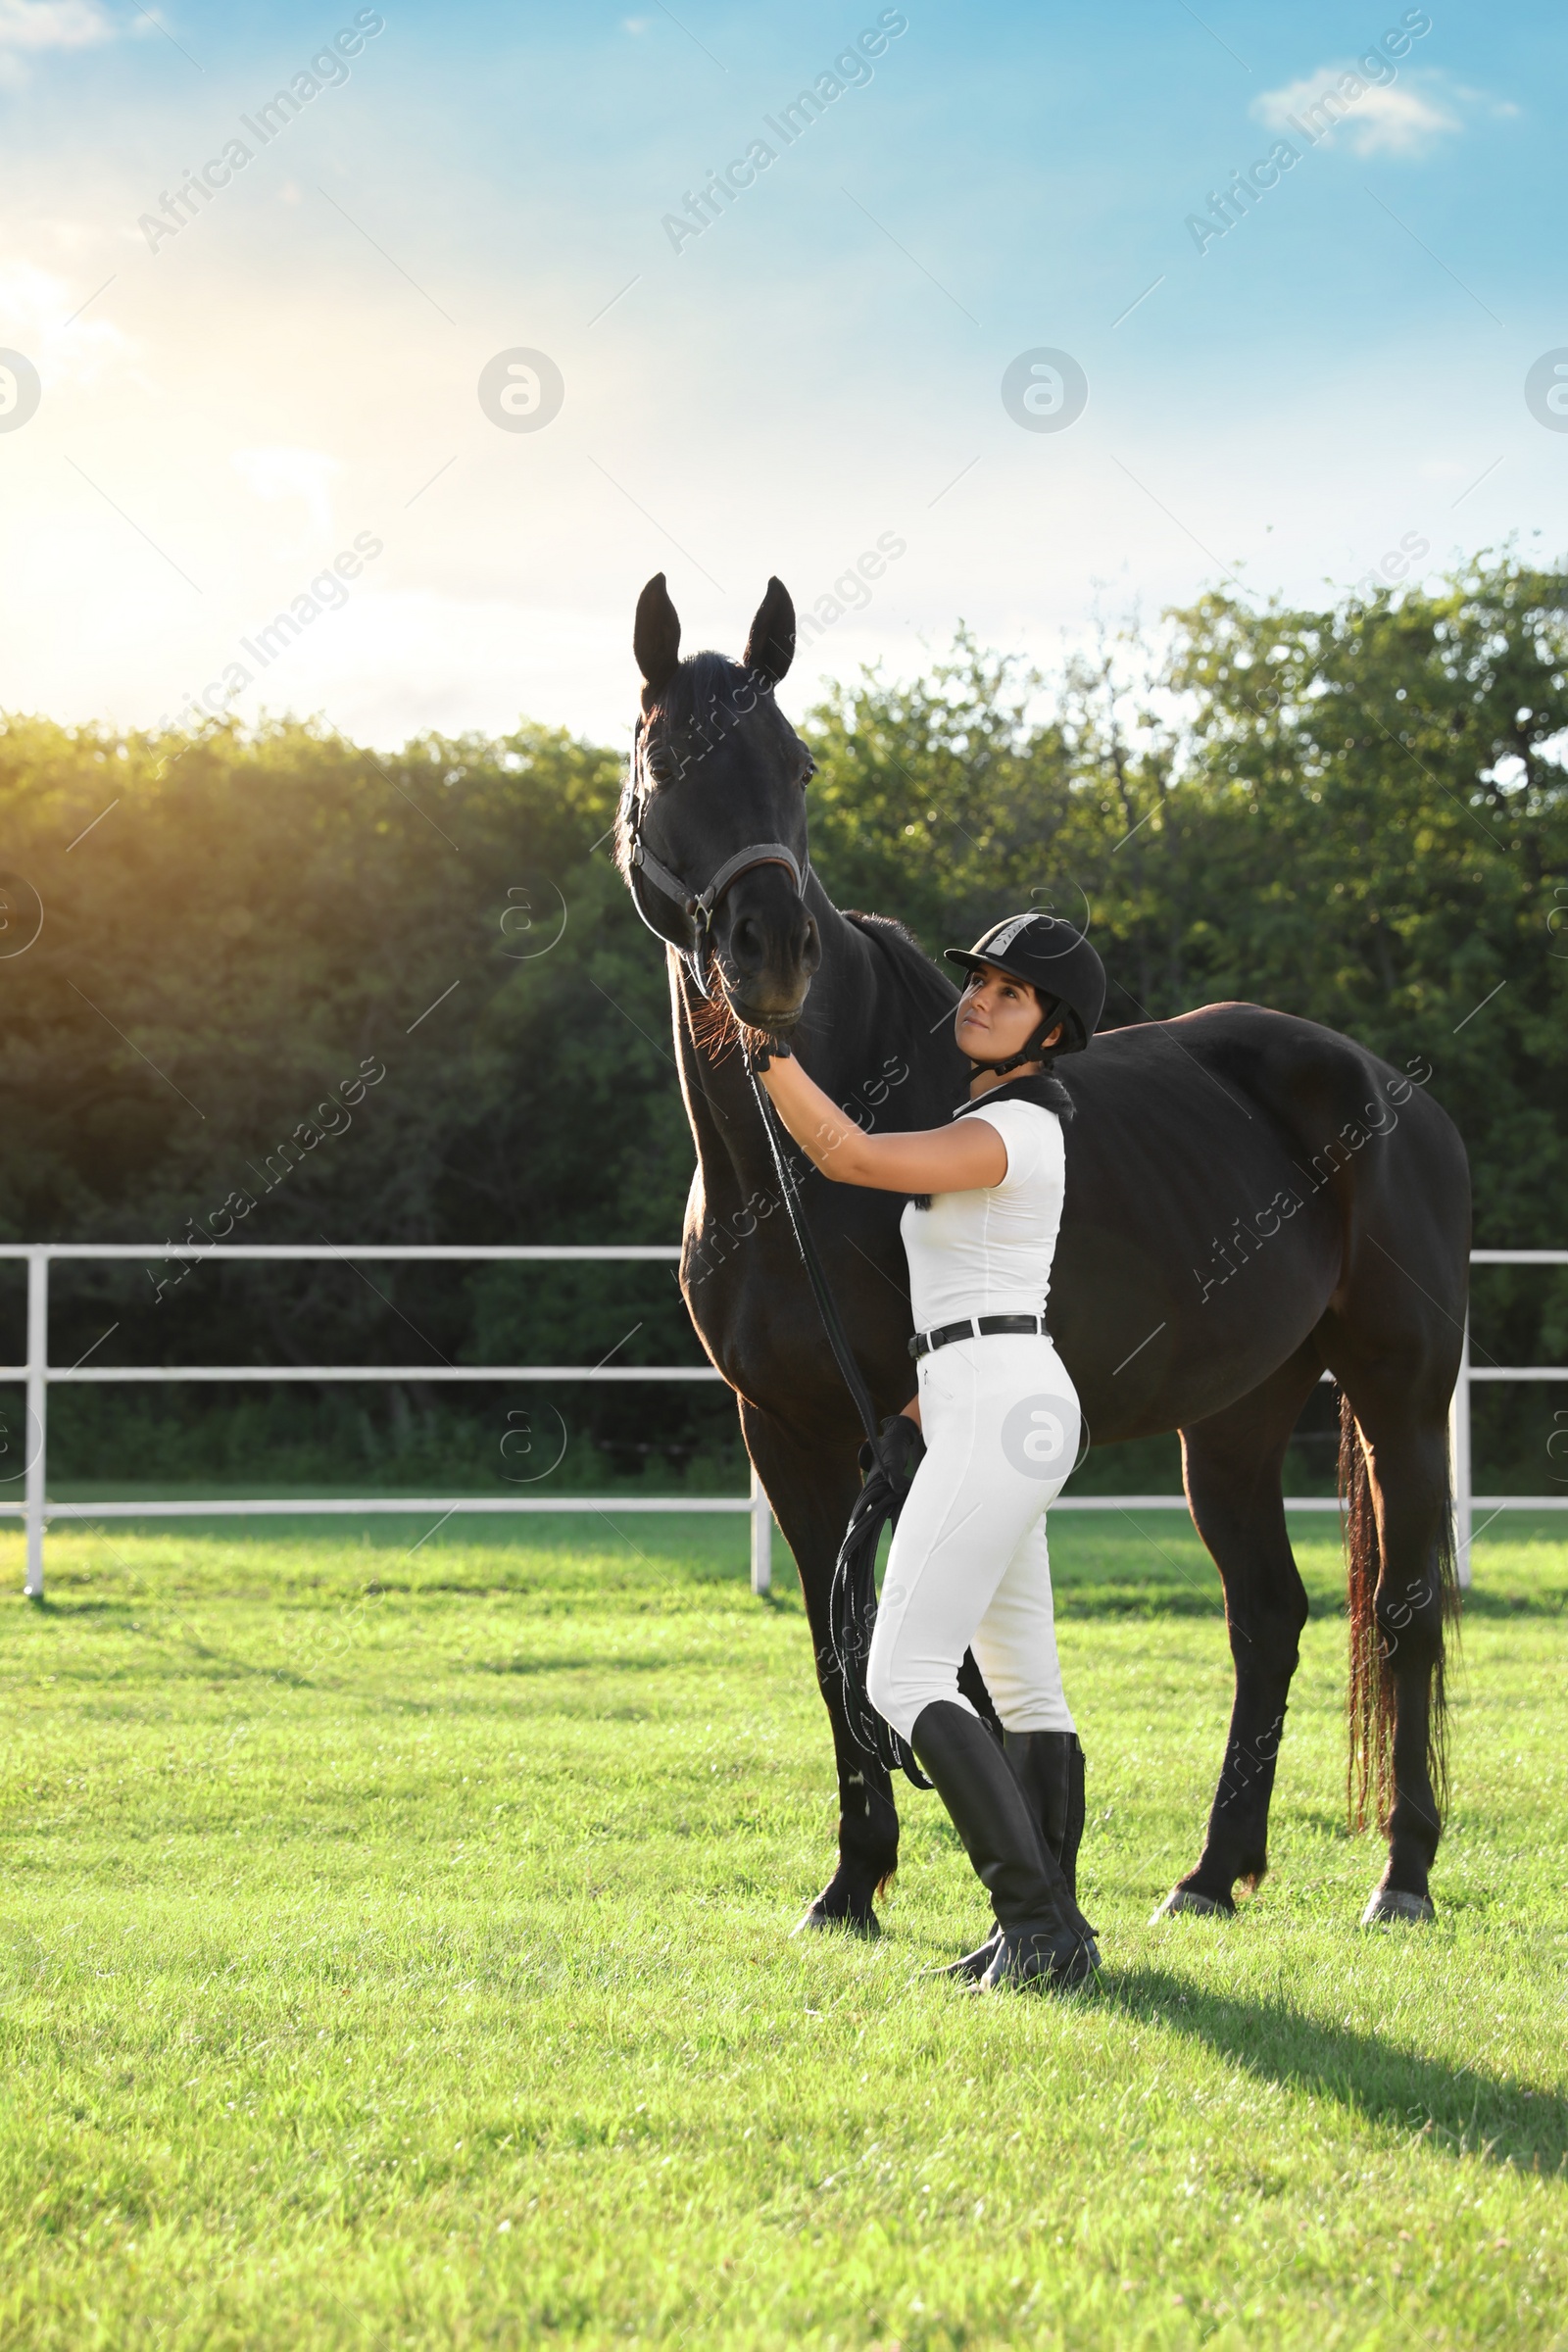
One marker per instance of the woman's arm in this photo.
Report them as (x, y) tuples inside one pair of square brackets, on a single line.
[(961, 1158)]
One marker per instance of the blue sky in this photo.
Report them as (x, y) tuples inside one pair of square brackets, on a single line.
[(1334, 381)]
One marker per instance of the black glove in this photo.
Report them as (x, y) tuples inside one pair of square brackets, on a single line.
[(890, 1466), (767, 1049)]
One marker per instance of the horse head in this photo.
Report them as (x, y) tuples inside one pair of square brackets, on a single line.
[(712, 833)]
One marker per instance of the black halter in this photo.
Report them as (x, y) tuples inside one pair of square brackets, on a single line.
[(697, 906)]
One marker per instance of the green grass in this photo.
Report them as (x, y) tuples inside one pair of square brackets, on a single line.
[(394, 1949)]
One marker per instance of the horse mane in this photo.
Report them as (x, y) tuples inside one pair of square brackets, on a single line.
[(924, 983), (922, 980), (700, 687)]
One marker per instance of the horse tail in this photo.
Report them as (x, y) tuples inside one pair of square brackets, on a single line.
[(1453, 1603), (1369, 1778), (1369, 1768)]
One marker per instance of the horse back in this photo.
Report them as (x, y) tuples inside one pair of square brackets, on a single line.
[(1227, 1171)]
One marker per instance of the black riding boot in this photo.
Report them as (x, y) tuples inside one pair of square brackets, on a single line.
[(1050, 1766), (1042, 1938)]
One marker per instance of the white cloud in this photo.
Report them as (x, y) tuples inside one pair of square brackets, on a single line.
[(1502, 109), (302, 473), (53, 25), (28, 26), (1376, 118), (35, 314)]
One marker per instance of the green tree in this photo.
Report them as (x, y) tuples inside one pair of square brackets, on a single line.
[(1355, 812)]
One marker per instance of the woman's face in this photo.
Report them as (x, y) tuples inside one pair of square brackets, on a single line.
[(996, 1015)]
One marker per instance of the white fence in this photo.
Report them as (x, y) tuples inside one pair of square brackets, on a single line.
[(40, 1376)]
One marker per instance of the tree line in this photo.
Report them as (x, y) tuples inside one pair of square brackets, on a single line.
[(271, 986)]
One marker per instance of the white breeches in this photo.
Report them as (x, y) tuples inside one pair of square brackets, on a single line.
[(968, 1567)]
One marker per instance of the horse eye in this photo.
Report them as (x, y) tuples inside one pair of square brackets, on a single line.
[(808, 772)]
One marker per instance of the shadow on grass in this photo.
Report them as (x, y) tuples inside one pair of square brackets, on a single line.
[(1127, 1599), (1111, 1592), (611, 1662), (1545, 1602), (1455, 2109)]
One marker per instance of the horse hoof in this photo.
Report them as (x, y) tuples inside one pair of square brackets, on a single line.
[(972, 1967), (864, 1924), (1197, 1906), (1391, 1904)]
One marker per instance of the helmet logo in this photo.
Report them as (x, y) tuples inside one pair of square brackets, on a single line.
[(1001, 941)]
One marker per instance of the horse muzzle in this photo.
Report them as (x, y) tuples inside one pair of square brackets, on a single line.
[(767, 954), (759, 1009)]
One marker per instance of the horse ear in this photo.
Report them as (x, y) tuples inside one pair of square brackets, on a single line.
[(770, 647), (656, 639)]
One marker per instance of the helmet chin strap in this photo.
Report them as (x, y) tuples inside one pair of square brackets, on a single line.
[(1000, 1069), (1034, 1051)]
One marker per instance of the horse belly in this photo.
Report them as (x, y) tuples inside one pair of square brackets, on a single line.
[(1162, 1320)]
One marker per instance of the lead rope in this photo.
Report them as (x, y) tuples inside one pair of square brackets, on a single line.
[(843, 1354), (852, 1601)]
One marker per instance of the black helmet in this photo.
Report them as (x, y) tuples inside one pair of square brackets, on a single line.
[(1059, 964)]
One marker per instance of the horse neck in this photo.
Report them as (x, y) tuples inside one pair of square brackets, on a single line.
[(837, 1040)]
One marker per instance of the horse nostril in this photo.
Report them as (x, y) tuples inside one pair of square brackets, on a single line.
[(811, 951), (745, 941)]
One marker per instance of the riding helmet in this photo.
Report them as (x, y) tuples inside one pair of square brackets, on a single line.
[(1057, 962)]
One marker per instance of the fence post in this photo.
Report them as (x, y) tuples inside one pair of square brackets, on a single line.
[(761, 1538), (1460, 1461), (37, 1414)]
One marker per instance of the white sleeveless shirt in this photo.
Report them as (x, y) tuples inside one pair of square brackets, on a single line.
[(989, 1253)]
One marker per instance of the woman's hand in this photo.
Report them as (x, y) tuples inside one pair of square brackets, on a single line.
[(966, 1157)]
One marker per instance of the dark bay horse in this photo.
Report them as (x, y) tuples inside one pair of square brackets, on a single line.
[(1250, 1201)]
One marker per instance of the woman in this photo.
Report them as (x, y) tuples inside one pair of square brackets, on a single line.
[(968, 1567)]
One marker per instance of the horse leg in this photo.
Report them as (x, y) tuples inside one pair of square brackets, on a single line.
[(812, 1487), (1396, 1456), (1230, 1466)]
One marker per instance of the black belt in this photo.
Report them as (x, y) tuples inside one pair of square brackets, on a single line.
[(946, 1332)]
